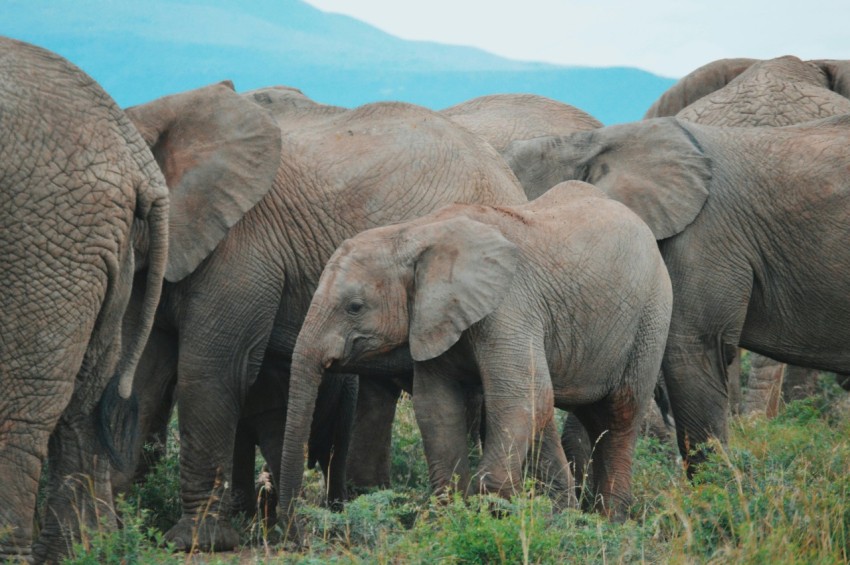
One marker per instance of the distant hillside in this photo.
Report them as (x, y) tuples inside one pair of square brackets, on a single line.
[(139, 51)]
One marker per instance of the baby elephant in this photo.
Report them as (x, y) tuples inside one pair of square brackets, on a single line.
[(563, 301)]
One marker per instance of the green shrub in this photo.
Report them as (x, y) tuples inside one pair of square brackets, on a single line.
[(779, 493), (133, 543), (159, 494)]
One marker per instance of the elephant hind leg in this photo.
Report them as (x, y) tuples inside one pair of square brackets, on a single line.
[(612, 426), (550, 467), (578, 450)]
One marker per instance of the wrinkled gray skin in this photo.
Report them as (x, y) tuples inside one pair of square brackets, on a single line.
[(336, 173), (770, 93), (562, 301), (262, 419), (77, 185), (750, 222), (503, 118)]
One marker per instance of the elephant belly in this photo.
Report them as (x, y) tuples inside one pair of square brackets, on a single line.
[(811, 334)]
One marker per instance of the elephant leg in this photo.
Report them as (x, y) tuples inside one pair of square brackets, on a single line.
[(799, 383), (370, 447), (764, 387), (208, 415), (843, 381), (612, 427), (342, 425), (269, 428), (211, 385), (695, 375), (550, 466), (736, 395), (578, 450), (79, 490), (244, 449), (23, 448), (519, 404), (439, 405)]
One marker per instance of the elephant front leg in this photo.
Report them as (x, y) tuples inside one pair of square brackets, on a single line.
[(440, 408), (519, 407), (696, 379), (208, 414), (369, 451)]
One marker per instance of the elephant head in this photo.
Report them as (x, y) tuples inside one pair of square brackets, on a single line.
[(421, 285), (667, 186), (219, 153)]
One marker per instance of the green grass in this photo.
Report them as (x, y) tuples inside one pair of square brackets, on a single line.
[(778, 493)]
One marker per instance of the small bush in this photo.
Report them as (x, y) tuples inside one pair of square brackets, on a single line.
[(133, 543), (159, 494)]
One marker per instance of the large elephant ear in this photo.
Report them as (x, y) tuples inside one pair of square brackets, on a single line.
[(653, 167), (219, 154), (838, 72), (699, 83), (463, 270)]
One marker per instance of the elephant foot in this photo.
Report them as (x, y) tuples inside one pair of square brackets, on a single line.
[(213, 534), (12, 554), (49, 549)]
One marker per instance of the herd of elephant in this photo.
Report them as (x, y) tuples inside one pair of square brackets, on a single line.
[(280, 270)]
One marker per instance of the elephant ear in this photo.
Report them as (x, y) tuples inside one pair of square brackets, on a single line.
[(219, 154), (462, 272), (701, 82), (838, 72), (655, 168)]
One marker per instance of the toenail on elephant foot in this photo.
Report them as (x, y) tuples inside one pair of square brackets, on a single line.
[(213, 534)]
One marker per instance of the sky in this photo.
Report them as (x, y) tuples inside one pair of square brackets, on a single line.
[(666, 37)]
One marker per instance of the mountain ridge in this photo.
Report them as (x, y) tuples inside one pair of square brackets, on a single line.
[(139, 52)]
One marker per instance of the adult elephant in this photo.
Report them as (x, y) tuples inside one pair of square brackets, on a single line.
[(769, 93), (77, 189), (750, 222), (262, 415), (503, 118), (336, 174), (715, 91)]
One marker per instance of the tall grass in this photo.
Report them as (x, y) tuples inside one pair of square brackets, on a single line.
[(778, 493)]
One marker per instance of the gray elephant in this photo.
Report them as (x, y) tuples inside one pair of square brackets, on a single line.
[(773, 92), (77, 189), (750, 224), (770, 93), (503, 118), (262, 415), (337, 172), (564, 301)]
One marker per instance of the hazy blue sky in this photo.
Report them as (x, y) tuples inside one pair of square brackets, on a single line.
[(670, 38)]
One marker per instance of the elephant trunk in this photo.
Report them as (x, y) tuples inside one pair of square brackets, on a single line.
[(309, 361)]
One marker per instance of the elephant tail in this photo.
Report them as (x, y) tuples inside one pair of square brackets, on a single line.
[(155, 213), (117, 424), (118, 409)]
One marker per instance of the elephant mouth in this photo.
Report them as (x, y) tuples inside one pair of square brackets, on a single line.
[(360, 349)]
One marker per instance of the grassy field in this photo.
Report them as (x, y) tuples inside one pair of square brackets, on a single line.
[(779, 493)]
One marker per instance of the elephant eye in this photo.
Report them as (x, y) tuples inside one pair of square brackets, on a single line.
[(354, 307)]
